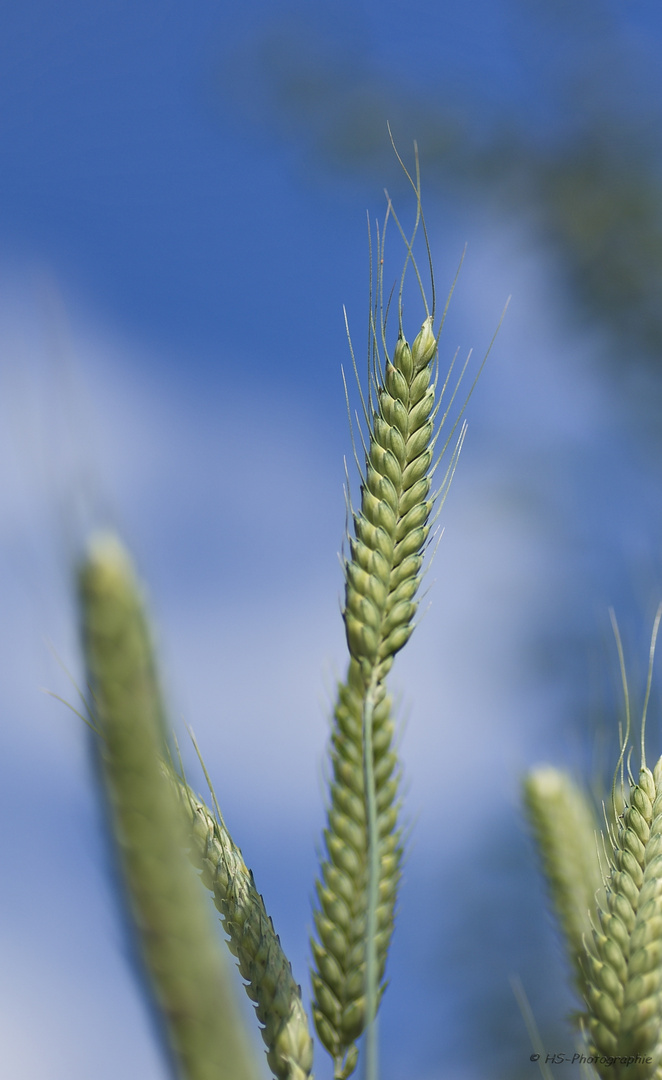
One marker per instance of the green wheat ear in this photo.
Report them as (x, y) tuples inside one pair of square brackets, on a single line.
[(623, 961), (614, 934), (566, 829), (187, 971), (270, 983), (357, 889)]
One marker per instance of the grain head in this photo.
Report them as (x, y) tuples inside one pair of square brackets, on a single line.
[(270, 983), (357, 888), (188, 974), (566, 830), (623, 962)]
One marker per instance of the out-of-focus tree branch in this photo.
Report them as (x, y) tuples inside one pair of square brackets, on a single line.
[(578, 151)]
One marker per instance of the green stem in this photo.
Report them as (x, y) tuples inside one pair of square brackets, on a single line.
[(371, 977)]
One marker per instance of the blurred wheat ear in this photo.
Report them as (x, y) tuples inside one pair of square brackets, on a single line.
[(405, 439), (566, 831), (188, 973)]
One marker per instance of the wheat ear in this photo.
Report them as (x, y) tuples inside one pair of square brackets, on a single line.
[(270, 983), (357, 889), (623, 964), (565, 828), (188, 972)]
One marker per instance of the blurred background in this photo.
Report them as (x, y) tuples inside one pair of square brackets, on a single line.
[(183, 196)]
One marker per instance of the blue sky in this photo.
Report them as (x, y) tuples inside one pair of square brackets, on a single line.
[(172, 273)]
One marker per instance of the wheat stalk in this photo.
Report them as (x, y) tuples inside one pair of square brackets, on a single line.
[(188, 973), (565, 828), (357, 888), (270, 983)]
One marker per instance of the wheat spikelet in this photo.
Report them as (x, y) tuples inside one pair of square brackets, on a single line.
[(357, 889), (623, 964), (188, 971), (252, 939), (565, 829)]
